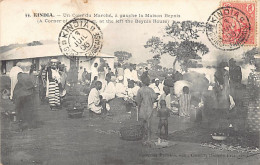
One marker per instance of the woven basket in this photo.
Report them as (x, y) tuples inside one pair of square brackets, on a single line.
[(133, 131), (75, 113), (5, 94), (253, 118)]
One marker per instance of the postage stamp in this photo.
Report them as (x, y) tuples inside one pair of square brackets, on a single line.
[(228, 28), (80, 37), (249, 8)]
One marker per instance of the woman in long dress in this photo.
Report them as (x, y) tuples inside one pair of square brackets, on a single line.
[(53, 80)]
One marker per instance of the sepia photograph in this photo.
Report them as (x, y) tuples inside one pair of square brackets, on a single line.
[(86, 82)]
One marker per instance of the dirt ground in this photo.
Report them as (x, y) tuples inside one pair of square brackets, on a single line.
[(61, 140)]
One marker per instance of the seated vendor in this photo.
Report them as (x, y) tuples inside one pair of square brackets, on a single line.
[(109, 91), (132, 89), (95, 102), (120, 88)]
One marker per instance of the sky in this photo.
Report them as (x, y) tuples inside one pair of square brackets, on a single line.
[(16, 28)]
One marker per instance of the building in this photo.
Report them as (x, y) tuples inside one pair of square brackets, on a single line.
[(41, 54)]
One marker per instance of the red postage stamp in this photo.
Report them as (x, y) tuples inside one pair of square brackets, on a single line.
[(249, 8)]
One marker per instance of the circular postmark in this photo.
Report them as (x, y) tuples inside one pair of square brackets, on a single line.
[(80, 37), (228, 28)]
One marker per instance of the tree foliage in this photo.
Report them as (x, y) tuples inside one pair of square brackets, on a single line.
[(249, 55), (34, 43), (122, 56), (156, 45), (183, 46), (185, 30)]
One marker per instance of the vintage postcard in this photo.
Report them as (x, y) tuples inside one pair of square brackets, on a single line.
[(129, 82)]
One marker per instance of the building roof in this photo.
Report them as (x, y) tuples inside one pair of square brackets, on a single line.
[(48, 50)]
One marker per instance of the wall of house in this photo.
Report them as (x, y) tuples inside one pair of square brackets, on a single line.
[(63, 59), (10, 64), (83, 63), (88, 64)]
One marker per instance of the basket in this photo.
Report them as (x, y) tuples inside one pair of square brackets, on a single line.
[(219, 138), (133, 131), (75, 113), (5, 94)]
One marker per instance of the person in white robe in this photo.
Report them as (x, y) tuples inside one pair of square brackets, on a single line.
[(158, 89), (120, 88), (157, 86), (94, 71), (132, 89), (127, 75), (120, 71), (96, 103), (134, 75), (109, 92), (94, 99), (13, 76)]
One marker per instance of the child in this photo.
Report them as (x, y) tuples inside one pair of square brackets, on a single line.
[(163, 113), (185, 100)]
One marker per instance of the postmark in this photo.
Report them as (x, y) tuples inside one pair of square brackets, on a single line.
[(228, 28), (250, 10), (80, 37)]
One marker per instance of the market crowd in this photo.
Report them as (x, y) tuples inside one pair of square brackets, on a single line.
[(143, 95)]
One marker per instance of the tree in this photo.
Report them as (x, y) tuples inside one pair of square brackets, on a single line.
[(185, 30), (142, 65), (182, 47), (153, 62), (34, 43), (249, 55), (156, 45), (122, 56)]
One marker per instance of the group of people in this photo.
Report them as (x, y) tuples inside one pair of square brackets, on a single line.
[(228, 78), (136, 89), (140, 91), (124, 83), (51, 82)]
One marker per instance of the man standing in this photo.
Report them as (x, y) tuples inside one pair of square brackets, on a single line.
[(13, 76), (145, 99), (158, 89), (222, 87), (42, 82), (134, 74), (84, 76), (235, 73), (94, 71), (235, 77), (127, 75), (25, 101)]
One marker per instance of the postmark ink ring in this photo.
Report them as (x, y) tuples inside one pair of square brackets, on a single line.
[(228, 28), (80, 37)]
